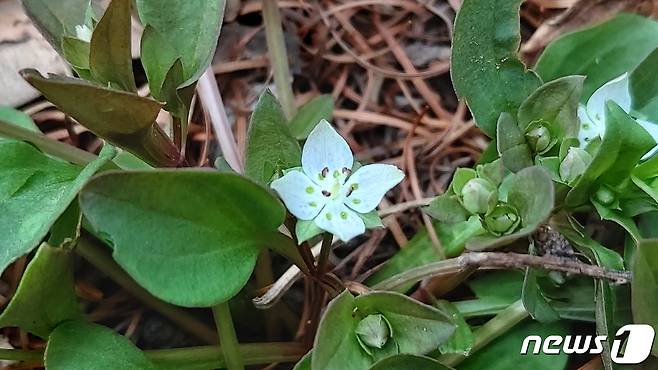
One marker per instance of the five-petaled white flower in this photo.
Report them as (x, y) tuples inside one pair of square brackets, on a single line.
[(592, 116), (325, 190)]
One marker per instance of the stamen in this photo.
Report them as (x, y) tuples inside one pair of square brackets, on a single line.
[(326, 193), (325, 172), (347, 171)]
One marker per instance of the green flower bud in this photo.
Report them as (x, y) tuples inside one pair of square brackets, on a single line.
[(373, 332), (539, 138), (574, 164), (479, 195), (504, 219), (605, 196)]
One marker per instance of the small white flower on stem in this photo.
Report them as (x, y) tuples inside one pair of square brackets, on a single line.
[(592, 115), (326, 191)]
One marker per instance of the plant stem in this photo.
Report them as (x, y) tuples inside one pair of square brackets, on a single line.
[(227, 337), (276, 46), (211, 357), (98, 255), (493, 329), (205, 357), (325, 250), (479, 307), (21, 355), (45, 144)]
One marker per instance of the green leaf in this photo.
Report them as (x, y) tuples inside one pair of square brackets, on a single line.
[(110, 58), (319, 108), (76, 53), (306, 230), (336, 346), (555, 103), (405, 362), (304, 363), (605, 293), (127, 120), (600, 53), (17, 118), (191, 30), (34, 191), (511, 144), (270, 147), (158, 57), (416, 328), (502, 286), (57, 19), (486, 70), (195, 253), (371, 219), (644, 286), (503, 352), (462, 339), (624, 143), (45, 296), (447, 208), (644, 87), (78, 345), (534, 207), (534, 300), (618, 217)]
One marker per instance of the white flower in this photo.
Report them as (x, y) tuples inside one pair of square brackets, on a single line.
[(325, 190), (592, 116), (82, 32)]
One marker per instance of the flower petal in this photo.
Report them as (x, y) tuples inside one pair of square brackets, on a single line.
[(325, 148), (615, 90), (652, 129), (341, 221), (367, 186), (302, 197), (588, 128)]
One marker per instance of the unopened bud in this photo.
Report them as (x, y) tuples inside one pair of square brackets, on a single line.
[(540, 139), (504, 219), (574, 164), (605, 196), (373, 331), (479, 195)]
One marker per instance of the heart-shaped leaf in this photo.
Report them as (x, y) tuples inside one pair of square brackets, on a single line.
[(125, 119), (34, 191), (189, 237), (486, 70), (78, 345), (45, 296)]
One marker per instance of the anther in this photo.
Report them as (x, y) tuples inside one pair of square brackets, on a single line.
[(325, 172), (326, 193)]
